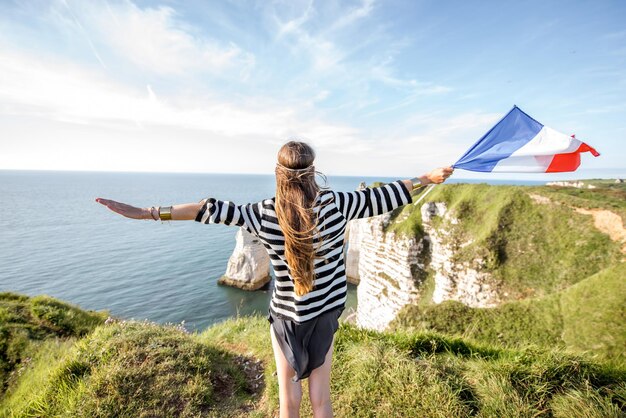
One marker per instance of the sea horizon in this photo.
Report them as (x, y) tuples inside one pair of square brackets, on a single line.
[(581, 174)]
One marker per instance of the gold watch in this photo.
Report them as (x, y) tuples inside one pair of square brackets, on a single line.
[(165, 213)]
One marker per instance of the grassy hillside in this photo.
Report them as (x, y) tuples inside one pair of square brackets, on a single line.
[(25, 323), (130, 369), (141, 369), (607, 195), (564, 278), (530, 249), (588, 316)]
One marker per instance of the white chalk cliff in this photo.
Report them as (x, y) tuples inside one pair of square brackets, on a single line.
[(465, 283), (388, 267), (392, 268), (249, 265), (355, 232)]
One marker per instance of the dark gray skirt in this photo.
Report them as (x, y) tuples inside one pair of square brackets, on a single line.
[(305, 345)]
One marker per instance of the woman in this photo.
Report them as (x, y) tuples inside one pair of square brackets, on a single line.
[(302, 228)]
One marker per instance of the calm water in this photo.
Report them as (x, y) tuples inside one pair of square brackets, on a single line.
[(57, 240)]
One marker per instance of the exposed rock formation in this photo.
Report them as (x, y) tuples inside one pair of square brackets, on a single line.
[(468, 284), (389, 268), (249, 265), (392, 268)]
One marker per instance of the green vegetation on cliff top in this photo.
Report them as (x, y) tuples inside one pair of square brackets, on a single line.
[(27, 322), (530, 249), (561, 279)]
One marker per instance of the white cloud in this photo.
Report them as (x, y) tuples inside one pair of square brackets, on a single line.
[(361, 11), (346, 67), (61, 91), (154, 39), (44, 90), (324, 53)]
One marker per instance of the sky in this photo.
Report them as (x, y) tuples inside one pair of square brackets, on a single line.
[(378, 88)]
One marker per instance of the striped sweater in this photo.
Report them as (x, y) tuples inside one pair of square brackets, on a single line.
[(335, 210)]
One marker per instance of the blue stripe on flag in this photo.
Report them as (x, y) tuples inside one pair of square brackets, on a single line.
[(513, 131)]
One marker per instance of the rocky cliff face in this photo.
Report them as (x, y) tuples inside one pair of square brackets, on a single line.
[(465, 283), (392, 268), (388, 267), (249, 265)]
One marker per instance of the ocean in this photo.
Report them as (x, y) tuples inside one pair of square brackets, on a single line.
[(57, 240)]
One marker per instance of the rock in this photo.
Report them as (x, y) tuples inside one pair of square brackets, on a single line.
[(392, 268), (249, 265), (470, 285), (356, 234), (388, 267), (432, 209)]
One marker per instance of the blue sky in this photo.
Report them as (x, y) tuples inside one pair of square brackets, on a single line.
[(388, 88)]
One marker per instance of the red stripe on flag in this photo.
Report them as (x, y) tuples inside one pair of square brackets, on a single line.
[(584, 147), (569, 161)]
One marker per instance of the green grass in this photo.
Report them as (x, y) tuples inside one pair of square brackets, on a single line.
[(587, 317), (25, 320), (34, 374), (131, 369), (142, 369), (413, 374), (608, 195)]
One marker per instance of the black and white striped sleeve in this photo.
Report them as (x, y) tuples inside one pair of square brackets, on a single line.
[(215, 211), (373, 201)]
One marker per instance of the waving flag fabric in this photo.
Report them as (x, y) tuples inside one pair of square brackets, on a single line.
[(520, 144)]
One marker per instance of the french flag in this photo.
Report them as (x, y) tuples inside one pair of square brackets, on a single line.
[(520, 144)]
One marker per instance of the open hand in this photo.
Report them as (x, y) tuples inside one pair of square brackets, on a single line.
[(439, 175), (124, 209)]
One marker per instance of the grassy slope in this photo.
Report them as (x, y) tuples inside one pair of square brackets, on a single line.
[(140, 369), (588, 316), (608, 195), (130, 369), (428, 375), (27, 322)]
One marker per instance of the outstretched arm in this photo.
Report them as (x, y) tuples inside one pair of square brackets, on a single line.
[(436, 176), (180, 212), (373, 201)]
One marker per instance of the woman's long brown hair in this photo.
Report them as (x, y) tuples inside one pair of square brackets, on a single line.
[(296, 195)]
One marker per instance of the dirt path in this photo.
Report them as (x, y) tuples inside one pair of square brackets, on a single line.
[(605, 221), (608, 222)]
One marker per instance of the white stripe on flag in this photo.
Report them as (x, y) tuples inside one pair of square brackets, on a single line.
[(548, 142), (523, 164)]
